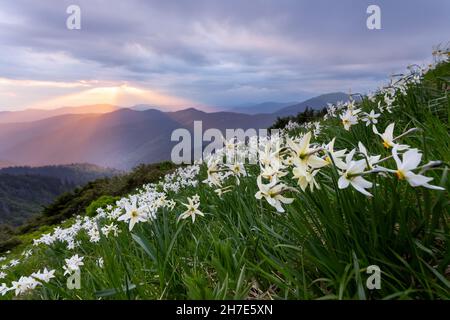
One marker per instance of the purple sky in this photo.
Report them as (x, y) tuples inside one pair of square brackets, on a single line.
[(207, 52)]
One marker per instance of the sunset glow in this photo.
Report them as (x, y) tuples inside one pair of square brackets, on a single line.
[(88, 93)]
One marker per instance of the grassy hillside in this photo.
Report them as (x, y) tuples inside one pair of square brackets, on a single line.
[(325, 201), (80, 200)]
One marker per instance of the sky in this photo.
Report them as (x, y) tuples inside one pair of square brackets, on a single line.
[(207, 53)]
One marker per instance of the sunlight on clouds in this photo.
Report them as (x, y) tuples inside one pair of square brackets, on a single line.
[(19, 94), (122, 95)]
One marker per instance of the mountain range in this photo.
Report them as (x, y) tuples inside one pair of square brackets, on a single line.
[(122, 138), (313, 103), (30, 115), (264, 107)]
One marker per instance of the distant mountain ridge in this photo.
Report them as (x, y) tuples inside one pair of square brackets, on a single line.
[(120, 139), (123, 138), (5, 164), (264, 107), (31, 115), (315, 103)]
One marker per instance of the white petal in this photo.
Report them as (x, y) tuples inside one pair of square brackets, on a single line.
[(416, 180), (316, 162), (389, 132), (285, 200), (343, 182), (363, 183), (411, 159), (361, 189)]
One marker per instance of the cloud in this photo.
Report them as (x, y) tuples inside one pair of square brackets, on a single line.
[(123, 95), (217, 52), (48, 94)]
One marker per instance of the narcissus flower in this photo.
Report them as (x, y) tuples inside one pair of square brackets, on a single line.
[(411, 160), (352, 175), (213, 173), (371, 160), (14, 263), (4, 289), (272, 192), (23, 285), (273, 171), (334, 156), (237, 170), (192, 209), (73, 264), (388, 137), (45, 275), (133, 213), (349, 118), (304, 155), (371, 118), (305, 178)]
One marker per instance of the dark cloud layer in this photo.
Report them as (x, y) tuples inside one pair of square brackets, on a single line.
[(220, 52)]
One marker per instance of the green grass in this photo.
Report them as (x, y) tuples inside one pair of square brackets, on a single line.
[(319, 249)]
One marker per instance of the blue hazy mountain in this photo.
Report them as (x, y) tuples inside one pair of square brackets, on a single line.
[(314, 103), (264, 107)]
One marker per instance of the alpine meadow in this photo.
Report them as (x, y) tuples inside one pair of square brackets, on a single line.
[(338, 196)]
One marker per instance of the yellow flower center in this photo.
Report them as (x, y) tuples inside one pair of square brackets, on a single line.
[(386, 144), (400, 174), (134, 214)]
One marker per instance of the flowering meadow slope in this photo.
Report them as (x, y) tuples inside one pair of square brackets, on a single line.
[(366, 185)]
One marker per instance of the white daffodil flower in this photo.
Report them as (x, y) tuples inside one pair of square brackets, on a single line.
[(23, 285), (371, 160), (45, 275), (73, 264), (14, 263), (388, 101), (411, 160), (4, 289), (335, 156), (273, 171), (348, 119), (133, 213), (272, 192), (352, 175), (304, 155), (237, 170), (371, 118), (192, 209), (270, 154), (214, 178), (388, 137), (305, 178)]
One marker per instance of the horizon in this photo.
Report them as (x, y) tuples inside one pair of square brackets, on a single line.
[(144, 107), (206, 54)]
